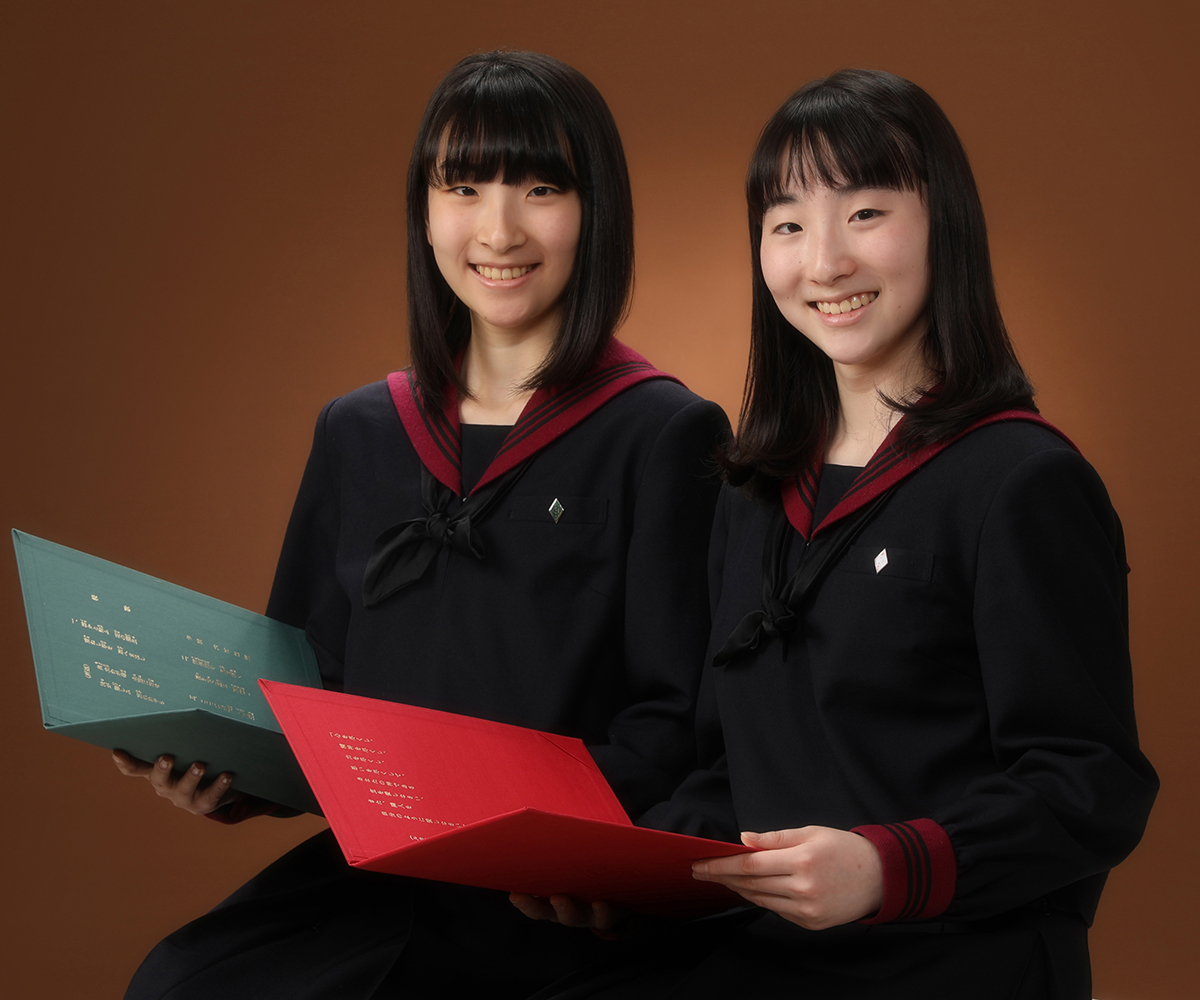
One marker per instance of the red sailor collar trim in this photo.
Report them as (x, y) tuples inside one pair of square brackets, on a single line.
[(547, 416), (888, 466)]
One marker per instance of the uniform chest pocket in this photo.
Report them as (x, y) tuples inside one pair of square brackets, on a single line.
[(558, 511), (907, 564)]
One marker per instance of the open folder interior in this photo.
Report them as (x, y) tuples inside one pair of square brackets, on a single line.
[(435, 795)]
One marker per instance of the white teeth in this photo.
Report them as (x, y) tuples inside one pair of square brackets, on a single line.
[(847, 305), (502, 274)]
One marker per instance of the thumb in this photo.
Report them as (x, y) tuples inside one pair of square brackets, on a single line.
[(773, 840)]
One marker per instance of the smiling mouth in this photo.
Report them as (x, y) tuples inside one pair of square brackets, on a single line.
[(502, 273), (846, 305)]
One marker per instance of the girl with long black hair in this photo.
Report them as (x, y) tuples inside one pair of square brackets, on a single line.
[(513, 528), (919, 700)]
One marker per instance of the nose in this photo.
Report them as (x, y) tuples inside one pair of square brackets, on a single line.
[(829, 256), (500, 220)]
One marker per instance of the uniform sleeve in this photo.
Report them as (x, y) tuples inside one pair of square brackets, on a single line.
[(651, 742), (306, 593), (1070, 792), (702, 805)]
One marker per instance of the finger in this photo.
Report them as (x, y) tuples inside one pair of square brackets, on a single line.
[(773, 840), (571, 912), (534, 907), (603, 915), (212, 797), (767, 900), (789, 909), (717, 868), (772, 885), (187, 783), (160, 775), (130, 766), (752, 865)]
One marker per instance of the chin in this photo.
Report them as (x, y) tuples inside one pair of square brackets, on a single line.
[(508, 322), (842, 353)]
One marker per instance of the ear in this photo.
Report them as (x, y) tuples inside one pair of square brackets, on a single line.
[(428, 238)]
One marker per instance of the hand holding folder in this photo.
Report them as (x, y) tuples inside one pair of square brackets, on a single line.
[(434, 795), (126, 660)]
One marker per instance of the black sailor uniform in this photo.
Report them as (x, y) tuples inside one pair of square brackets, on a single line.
[(585, 614), (957, 690)]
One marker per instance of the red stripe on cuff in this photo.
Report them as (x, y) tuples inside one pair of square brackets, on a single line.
[(919, 870)]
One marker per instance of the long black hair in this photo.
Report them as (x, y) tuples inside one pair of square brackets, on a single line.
[(870, 129), (521, 116)]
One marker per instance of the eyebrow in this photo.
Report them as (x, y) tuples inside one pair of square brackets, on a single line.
[(783, 198)]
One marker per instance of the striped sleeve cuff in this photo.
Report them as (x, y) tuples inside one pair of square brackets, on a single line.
[(919, 870)]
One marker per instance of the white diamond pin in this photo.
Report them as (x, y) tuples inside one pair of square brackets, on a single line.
[(556, 510), (881, 560)]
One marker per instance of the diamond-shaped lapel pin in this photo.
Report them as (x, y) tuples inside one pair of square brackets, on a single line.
[(556, 510), (881, 560)]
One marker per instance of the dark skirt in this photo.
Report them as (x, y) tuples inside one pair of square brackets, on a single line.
[(1039, 957), (310, 927)]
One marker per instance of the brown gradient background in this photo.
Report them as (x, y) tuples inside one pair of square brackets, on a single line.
[(203, 242)]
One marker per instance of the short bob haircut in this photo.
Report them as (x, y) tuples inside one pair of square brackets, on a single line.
[(870, 129), (521, 116)]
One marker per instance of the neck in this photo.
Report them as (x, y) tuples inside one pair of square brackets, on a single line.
[(864, 420), (497, 364)]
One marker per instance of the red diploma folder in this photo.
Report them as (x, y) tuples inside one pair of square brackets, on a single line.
[(434, 795)]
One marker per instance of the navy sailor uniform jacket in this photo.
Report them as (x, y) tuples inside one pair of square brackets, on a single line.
[(958, 689), (590, 623)]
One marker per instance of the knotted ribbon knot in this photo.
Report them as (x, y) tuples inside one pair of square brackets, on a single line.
[(774, 620), (783, 598), (402, 553), (454, 532), (778, 621)]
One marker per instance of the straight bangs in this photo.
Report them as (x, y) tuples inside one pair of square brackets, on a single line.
[(827, 135), (869, 129), (519, 117), (506, 127)]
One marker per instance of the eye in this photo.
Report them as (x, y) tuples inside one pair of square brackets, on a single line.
[(787, 228), (865, 214), (543, 190), (463, 190)]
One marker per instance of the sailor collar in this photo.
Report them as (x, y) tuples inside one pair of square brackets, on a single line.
[(887, 467), (549, 413)]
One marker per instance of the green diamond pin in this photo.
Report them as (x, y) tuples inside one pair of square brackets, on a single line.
[(556, 510)]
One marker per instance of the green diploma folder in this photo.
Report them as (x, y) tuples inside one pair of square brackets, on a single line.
[(127, 661)]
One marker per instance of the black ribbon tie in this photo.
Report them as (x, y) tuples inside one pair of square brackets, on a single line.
[(403, 553), (781, 601)]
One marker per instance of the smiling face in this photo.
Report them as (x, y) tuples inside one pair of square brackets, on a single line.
[(849, 269), (507, 251)]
